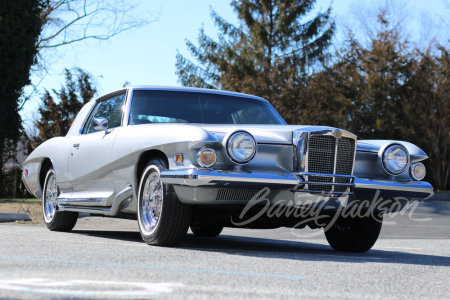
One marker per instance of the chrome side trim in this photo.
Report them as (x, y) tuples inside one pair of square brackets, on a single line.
[(85, 209), (89, 200), (127, 193)]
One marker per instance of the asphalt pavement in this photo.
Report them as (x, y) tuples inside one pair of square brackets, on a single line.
[(106, 259)]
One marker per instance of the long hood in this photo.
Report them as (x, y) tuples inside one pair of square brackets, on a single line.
[(265, 134)]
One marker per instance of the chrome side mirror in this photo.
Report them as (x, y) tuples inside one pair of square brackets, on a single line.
[(101, 124)]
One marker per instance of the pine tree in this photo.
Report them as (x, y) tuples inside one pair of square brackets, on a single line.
[(57, 116), (269, 54), (430, 109), (373, 84)]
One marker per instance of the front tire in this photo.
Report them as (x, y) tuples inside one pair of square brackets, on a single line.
[(206, 229), (163, 220), (55, 220), (356, 234)]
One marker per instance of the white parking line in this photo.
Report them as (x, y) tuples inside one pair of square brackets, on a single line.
[(85, 288)]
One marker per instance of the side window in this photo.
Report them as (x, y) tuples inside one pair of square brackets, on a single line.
[(111, 109)]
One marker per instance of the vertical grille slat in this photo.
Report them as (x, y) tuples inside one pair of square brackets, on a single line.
[(323, 151)]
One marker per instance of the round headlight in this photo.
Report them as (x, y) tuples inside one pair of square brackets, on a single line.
[(395, 159), (206, 157), (418, 171), (241, 147)]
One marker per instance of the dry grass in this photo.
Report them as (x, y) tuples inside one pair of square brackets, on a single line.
[(31, 207)]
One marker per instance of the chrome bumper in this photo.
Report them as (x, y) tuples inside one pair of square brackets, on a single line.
[(393, 189), (294, 182)]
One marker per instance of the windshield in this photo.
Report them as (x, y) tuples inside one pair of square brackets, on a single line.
[(149, 106)]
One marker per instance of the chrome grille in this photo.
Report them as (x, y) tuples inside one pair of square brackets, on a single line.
[(344, 161), (236, 194), (323, 151)]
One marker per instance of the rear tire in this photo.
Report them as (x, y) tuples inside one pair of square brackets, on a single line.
[(356, 234), (163, 220), (55, 220)]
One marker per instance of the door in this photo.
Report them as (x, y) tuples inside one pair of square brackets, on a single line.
[(89, 171)]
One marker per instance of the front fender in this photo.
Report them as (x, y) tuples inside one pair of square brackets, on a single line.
[(368, 153)]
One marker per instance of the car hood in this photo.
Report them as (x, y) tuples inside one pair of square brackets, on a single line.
[(264, 134)]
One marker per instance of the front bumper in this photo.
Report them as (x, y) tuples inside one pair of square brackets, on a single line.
[(191, 183)]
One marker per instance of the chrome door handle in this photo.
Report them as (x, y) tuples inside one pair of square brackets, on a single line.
[(76, 145)]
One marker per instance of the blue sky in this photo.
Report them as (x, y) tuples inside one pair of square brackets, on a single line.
[(147, 55)]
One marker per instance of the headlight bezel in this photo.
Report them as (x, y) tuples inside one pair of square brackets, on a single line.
[(384, 150), (228, 147)]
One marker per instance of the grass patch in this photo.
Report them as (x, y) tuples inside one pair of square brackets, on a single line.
[(31, 207)]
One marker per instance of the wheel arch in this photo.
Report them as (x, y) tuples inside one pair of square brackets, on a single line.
[(44, 167), (142, 162)]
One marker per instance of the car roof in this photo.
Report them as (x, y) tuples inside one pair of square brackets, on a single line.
[(181, 89)]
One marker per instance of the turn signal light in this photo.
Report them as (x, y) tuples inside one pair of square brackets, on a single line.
[(206, 157)]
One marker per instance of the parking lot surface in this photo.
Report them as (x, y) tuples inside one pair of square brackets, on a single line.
[(105, 258)]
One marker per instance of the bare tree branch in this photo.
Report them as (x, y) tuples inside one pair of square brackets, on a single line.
[(31, 94), (71, 21), (67, 22)]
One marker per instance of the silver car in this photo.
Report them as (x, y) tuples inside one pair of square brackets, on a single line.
[(175, 158)]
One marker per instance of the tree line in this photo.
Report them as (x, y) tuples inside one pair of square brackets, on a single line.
[(279, 50)]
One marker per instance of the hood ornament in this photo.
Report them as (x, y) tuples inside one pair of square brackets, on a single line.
[(337, 133)]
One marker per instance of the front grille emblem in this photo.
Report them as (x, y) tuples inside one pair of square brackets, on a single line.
[(337, 133)]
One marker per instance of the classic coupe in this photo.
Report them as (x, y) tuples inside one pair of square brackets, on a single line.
[(175, 158)]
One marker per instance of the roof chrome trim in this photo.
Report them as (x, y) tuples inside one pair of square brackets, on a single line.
[(193, 90)]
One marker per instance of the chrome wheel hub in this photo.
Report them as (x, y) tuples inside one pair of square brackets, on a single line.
[(50, 196), (151, 204)]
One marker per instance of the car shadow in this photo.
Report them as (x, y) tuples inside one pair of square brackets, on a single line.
[(280, 249), (435, 207)]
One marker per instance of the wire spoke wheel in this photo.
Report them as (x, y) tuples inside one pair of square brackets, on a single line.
[(152, 202), (55, 220), (50, 196), (163, 220)]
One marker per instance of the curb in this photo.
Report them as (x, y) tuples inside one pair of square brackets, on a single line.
[(8, 217)]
